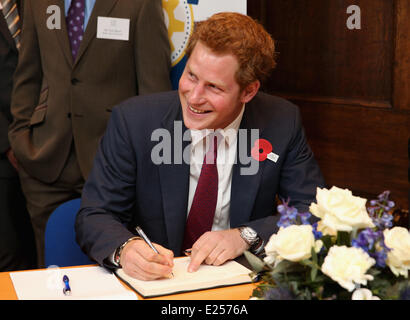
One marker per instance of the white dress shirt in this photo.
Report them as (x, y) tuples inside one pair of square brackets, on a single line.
[(226, 154)]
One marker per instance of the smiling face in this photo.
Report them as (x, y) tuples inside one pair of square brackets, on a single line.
[(210, 96)]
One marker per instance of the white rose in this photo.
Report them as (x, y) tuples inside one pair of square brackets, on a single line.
[(348, 266), (325, 230), (364, 294), (398, 259), (340, 210), (293, 243)]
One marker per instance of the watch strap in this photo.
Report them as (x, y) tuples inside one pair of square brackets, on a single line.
[(258, 247), (255, 246), (118, 251)]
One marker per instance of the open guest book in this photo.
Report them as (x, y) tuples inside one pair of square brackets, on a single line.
[(206, 277)]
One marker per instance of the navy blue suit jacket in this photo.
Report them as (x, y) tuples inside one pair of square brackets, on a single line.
[(125, 188)]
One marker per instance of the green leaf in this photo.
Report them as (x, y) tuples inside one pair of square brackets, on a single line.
[(374, 272), (307, 263), (314, 255), (319, 279), (343, 238), (286, 266), (313, 273), (327, 241), (257, 264), (386, 287)]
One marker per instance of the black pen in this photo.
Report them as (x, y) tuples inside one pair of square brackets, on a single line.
[(147, 240)]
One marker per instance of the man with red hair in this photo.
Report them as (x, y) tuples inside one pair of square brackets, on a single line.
[(210, 207)]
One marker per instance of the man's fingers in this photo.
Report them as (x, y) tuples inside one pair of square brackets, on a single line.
[(167, 254), (135, 271), (147, 270), (216, 247), (215, 256), (200, 251), (163, 257), (140, 261)]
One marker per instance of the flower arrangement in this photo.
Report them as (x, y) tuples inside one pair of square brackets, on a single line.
[(351, 252)]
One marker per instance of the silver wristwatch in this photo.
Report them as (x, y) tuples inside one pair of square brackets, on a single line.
[(118, 251), (252, 239)]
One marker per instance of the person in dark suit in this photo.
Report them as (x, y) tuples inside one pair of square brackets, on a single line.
[(148, 169), (17, 249), (78, 59)]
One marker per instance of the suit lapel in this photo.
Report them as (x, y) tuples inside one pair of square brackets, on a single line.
[(174, 180), (61, 33), (101, 8), (244, 186)]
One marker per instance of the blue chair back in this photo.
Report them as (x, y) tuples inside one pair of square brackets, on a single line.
[(61, 249)]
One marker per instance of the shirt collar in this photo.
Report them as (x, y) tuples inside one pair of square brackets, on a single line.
[(229, 133)]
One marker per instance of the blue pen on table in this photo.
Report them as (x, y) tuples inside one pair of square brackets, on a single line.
[(147, 241), (66, 289)]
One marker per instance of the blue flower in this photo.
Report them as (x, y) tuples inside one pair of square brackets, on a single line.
[(383, 222), (290, 215), (379, 211), (304, 217), (285, 210), (373, 243), (380, 257), (317, 234)]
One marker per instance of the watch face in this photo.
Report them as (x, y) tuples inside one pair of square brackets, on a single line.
[(249, 234)]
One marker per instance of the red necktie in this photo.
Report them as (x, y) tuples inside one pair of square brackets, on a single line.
[(201, 215)]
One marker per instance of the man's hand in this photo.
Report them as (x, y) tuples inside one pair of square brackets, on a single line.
[(216, 247), (12, 159), (139, 261)]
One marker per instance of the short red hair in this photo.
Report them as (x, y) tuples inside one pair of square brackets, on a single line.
[(241, 36)]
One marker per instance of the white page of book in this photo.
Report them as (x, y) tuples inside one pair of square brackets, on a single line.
[(205, 276), (88, 283)]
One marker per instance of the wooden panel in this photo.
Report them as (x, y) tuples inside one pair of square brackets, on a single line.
[(353, 87), (402, 56), (314, 43), (336, 100), (362, 149), (257, 10)]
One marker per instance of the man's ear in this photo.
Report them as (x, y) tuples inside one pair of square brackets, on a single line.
[(250, 91)]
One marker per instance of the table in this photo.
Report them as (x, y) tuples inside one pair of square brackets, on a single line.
[(238, 292)]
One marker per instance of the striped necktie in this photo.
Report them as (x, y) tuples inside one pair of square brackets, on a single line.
[(10, 12)]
